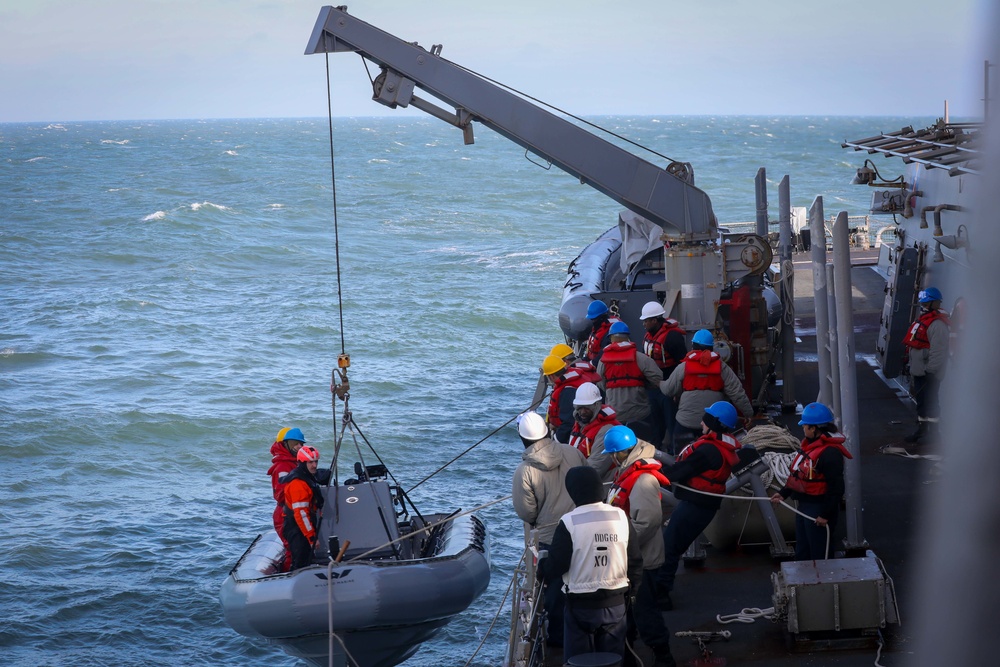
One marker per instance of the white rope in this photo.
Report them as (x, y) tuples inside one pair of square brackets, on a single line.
[(770, 436), (783, 503), (878, 653), (746, 615), (901, 451)]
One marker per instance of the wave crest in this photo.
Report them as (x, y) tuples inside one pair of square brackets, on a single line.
[(207, 204)]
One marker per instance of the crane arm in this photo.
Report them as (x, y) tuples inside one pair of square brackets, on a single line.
[(682, 210)]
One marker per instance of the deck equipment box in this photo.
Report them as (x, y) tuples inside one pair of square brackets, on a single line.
[(834, 595)]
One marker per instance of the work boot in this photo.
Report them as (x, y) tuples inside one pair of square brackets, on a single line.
[(918, 435), (662, 657)]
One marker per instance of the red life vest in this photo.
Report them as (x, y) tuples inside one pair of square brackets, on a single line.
[(654, 345), (916, 337), (713, 481), (804, 477), (620, 490), (620, 366), (596, 336), (583, 435), (586, 370), (702, 370), (568, 379)]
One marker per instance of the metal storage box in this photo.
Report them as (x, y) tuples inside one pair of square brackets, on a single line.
[(838, 594)]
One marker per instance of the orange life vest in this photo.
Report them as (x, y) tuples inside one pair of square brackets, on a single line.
[(583, 435), (620, 490), (586, 370), (702, 370), (620, 366), (654, 345), (596, 336), (713, 481), (568, 379), (804, 477), (916, 337)]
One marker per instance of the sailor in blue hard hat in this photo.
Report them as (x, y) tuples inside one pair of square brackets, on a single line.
[(816, 482), (628, 378), (702, 468), (702, 379), (927, 343), (636, 490), (600, 328)]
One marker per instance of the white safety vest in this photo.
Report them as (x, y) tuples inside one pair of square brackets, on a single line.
[(600, 549)]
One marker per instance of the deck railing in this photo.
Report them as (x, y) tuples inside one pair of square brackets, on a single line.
[(867, 231)]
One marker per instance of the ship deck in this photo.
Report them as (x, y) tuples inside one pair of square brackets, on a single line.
[(892, 487)]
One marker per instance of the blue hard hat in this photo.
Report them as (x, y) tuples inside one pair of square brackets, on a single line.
[(596, 309), (816, 414), (295, 434), (929, 294), (703, 337), (618, 439), (724, 412), (618, 327)]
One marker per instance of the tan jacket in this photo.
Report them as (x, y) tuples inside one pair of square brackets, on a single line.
[(539, 488)]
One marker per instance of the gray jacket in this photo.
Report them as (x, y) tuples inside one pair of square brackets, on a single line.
[(645, 510), (632, 403), (692, 403), (539, 488), (932, 360)]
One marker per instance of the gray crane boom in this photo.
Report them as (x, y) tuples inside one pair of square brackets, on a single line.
[(682, 210)]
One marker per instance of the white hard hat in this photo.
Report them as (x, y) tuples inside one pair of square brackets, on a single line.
[(531, 426), (587, 394), (651, 309)]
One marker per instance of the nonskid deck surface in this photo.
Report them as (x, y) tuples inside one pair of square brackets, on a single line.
[(891, 488)]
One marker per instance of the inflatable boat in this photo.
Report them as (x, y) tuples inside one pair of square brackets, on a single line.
[(624, 267), (398, 580)]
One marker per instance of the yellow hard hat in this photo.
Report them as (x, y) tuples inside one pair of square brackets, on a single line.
[(281, 434), (552, 364), (562, 350)]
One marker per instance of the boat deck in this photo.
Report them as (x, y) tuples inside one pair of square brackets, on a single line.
[(891, 487)]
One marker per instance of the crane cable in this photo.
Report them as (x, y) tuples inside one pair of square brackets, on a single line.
[(336, 244), (333, 180)]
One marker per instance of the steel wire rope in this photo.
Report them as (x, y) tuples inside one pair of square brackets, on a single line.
[(430, 526), (562, 111), (353, 425), (333, 182), (481, 441), (544, 104), (336, 237)]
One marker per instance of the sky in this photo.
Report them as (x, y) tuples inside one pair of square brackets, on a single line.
[(72, 60)]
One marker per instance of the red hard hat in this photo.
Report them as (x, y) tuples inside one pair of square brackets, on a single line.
[(307, 453)]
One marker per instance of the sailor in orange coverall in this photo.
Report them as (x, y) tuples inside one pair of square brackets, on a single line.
[(303, 502)]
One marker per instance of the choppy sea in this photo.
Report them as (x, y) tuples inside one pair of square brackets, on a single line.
[(170, 300)]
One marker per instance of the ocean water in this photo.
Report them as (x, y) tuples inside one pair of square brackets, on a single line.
[(170, 300)]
